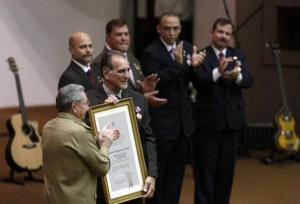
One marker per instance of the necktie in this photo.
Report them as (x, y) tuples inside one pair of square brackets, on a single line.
[(91, 76), (171, 51), (221, 56)]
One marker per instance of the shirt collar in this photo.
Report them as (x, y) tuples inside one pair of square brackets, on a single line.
[(84, 68), (218, 51), (109, 92), (168, 47)]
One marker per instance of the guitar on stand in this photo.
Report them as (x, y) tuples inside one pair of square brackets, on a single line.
[(286, 139), (23, 151)]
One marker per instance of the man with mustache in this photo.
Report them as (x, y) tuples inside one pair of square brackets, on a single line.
[(79, 70), (219, 115)]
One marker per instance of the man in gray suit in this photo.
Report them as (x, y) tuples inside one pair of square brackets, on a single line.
[(118, 38)]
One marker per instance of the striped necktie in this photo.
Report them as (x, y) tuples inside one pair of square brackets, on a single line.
[(171, 51)]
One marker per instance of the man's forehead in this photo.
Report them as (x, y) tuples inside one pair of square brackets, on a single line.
[(119, 60)]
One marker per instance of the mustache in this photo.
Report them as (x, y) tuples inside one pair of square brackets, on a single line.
[(223, 40), (88, 55)]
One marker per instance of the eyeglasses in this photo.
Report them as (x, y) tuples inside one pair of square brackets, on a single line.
[(168, 28)]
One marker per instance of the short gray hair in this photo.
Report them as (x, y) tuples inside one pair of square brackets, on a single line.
[(107, 62), (67, 95)]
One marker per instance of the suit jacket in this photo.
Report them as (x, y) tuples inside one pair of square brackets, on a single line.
[(98, 96), (134, 65), (71, 161), (221, 104), (75, 75), (167, 121)]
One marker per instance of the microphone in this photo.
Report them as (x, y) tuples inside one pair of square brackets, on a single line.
[(273, 46)]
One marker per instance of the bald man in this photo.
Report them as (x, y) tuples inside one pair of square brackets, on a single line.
[(79, 70)]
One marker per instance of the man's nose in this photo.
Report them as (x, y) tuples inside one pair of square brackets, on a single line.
[(127, 74), (89, 49)]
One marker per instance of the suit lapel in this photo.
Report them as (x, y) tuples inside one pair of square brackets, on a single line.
[(125, 93), (81, 74), (163, 50), (101, 95), (212, 58)]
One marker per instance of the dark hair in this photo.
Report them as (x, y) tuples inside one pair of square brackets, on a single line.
[(168, 13), (117, 22), (106, 60), (67, 95), (222, 21)]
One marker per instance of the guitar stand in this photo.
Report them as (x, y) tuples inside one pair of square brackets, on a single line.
[(30, 177), (271, 159)]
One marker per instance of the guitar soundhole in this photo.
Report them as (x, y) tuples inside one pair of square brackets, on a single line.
[(28, 130)]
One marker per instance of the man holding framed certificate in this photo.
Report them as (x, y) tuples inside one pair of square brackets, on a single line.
[(115, 72)]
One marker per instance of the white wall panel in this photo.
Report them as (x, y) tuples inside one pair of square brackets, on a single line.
[(35, 33)]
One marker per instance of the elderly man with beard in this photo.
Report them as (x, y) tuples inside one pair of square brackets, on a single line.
[(79, 70)]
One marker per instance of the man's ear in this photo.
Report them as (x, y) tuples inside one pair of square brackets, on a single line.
[(106, 72), (158, 29), (73, 106)]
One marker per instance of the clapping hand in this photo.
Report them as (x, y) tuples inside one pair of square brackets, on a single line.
[(149, 83), (106, 136), (233, 74), (197, 57)]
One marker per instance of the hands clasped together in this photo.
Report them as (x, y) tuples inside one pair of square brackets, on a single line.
[(232, 74)]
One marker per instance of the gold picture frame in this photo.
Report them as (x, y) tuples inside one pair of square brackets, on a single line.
[(126, 178)]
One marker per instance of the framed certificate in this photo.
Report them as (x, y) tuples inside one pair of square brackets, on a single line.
[(127, 174)]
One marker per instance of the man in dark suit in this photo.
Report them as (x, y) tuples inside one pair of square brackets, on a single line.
[(171, 123), (79, 70), (118, 38), (219, 115), (115, 72)]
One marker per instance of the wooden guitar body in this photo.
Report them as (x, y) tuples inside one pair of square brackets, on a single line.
[(23, 151), (286, 138)]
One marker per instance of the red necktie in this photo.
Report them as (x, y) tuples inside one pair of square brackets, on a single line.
[(221, 56), (91, 76)]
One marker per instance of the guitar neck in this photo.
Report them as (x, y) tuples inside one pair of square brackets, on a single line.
[(21, 101), (281, 83)]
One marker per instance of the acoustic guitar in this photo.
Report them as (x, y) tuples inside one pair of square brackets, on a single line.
[(286, 138), (23, 151)]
